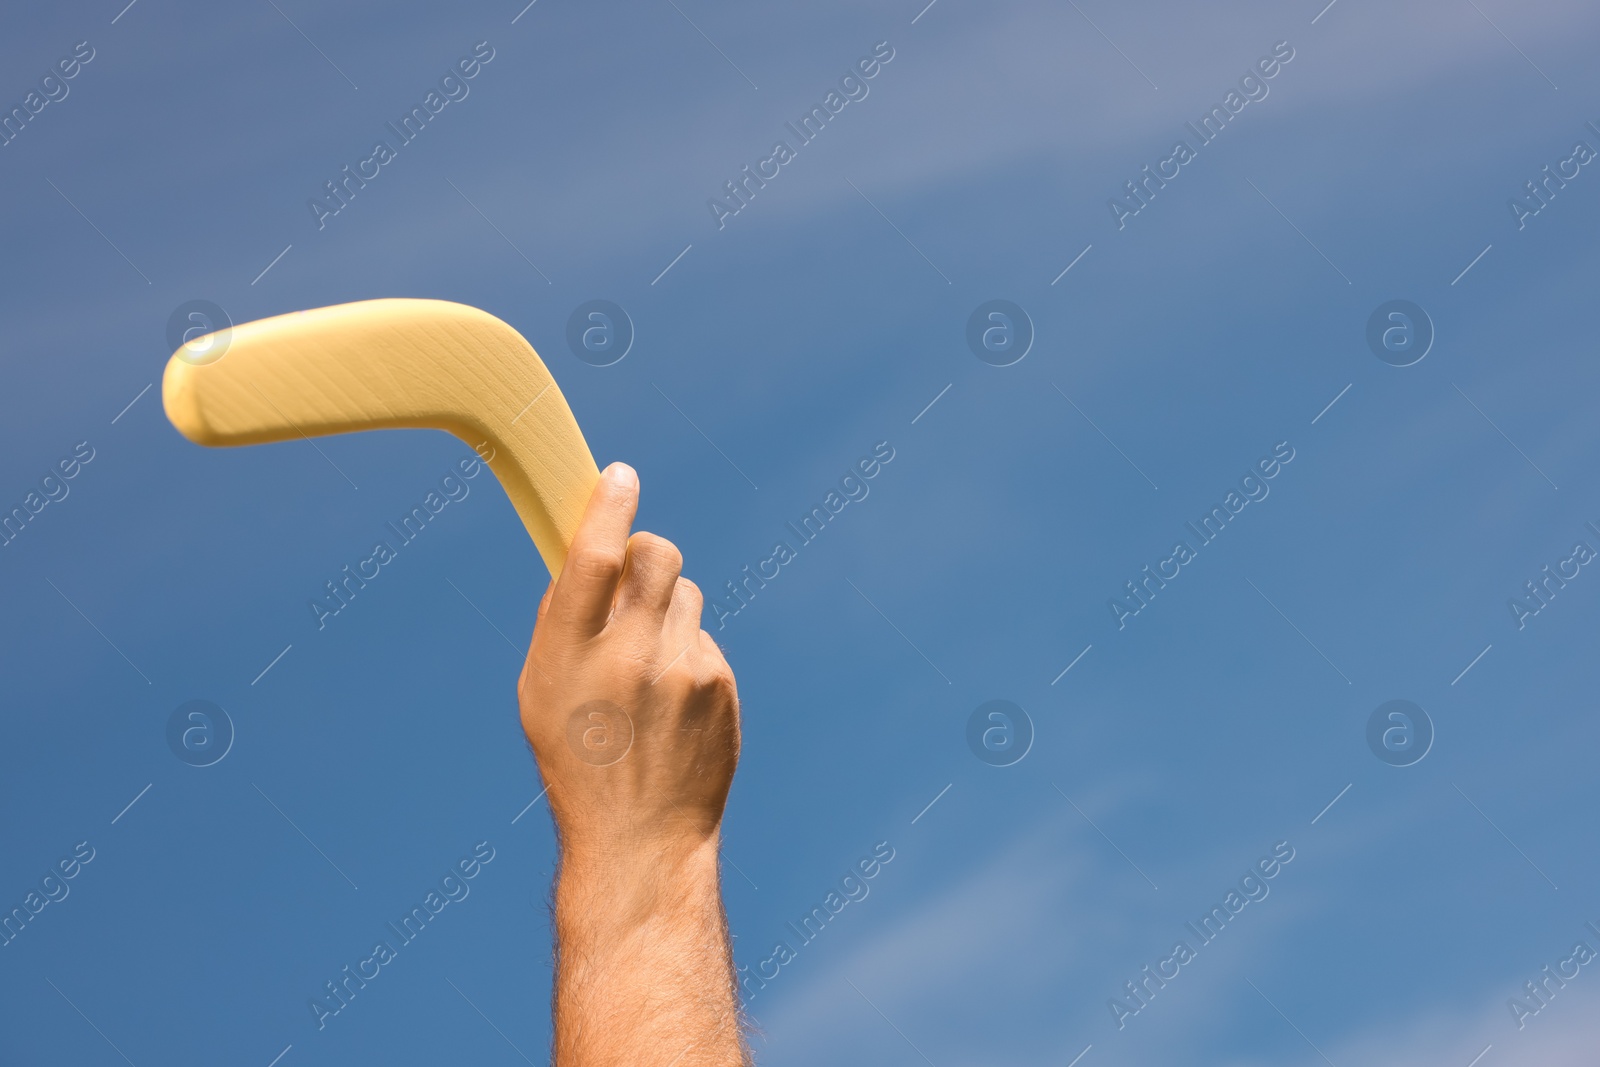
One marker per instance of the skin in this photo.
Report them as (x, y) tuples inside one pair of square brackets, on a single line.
[(634, 720)]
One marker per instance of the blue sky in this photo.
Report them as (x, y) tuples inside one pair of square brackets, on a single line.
[(771, 354)]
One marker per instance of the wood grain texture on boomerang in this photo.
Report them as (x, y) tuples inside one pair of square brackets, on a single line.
[(381, 364)]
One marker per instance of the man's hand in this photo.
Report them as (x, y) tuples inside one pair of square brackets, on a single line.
[(634, 720)]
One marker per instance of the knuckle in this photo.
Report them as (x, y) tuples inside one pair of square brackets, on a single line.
[(713, 651), (655, 551), (690, 594), (717, 680), (595, 564)]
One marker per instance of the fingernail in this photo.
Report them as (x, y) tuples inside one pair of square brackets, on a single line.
[(622, 476)]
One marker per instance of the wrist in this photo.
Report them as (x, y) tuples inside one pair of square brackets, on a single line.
[(618, 887)]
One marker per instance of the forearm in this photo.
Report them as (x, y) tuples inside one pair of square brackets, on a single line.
[(644, 974)]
